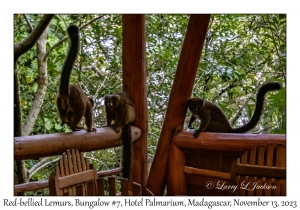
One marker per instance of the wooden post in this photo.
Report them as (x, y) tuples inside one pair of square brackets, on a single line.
[(176, 184), (181, 91), (134, 84)]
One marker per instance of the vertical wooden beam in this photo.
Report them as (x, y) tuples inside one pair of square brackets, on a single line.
[(134, 84), (181, 91), (176, 184)]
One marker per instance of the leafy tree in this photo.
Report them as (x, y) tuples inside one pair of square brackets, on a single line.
[(241, 52)]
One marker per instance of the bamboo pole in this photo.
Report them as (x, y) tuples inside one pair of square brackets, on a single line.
[(134, 84), (181, 91), (30, 147)]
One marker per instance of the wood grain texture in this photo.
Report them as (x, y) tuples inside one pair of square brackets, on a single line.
[(181, 91), (207, 173), (225, 142), (134, 84), (176, 184), (38, 185), (30, 147)]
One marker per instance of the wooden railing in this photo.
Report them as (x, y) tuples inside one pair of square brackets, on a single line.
[(191, 160), (210, 151), (39, 185), (37, 146)]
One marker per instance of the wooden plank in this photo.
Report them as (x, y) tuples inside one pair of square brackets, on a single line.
[(71, 170), (280, 162), (181, 91), (175, 177), (100, 187), (225, 142), (112, 186), (261, 171), (73, 179), (112, 172), (197, 184), (252, 160), (269, 181), (242, 179), (260, 162), (91, 188), (124, 187), (74, 162), (78, 160), (61, 170), (148, 192), (30, 147), (137, 189), (134, 84), (79, 190), (206, 173)]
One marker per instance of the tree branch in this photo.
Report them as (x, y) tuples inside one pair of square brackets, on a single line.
[(25, 45), (232, 85), (43, 163), (93, 68), (28, 22), (66, 37)]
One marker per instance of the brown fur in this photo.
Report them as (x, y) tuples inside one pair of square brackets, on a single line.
[(120, 109), (71, 101), (213, 118)]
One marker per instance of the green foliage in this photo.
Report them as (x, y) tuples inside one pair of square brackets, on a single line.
[(240, 53), (243, 51)]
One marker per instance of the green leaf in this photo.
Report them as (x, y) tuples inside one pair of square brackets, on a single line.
[(58, 126), (253, 45), (28, 79), (35, 87), (282, 16)]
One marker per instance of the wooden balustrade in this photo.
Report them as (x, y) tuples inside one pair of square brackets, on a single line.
[(193, 162)]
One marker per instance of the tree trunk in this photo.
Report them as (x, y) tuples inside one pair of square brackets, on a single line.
[(19, 49), (19, 165), (42, 84)]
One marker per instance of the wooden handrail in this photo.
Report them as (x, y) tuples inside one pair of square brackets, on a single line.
[(206, 173), (215, 146), (39, 185), (225, 142), (30, 147)]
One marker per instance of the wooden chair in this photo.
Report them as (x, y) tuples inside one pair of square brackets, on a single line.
[(260, 171), (74, 175)]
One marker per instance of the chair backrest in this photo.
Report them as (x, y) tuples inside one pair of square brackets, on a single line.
[(73, 175), (260, 171)]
